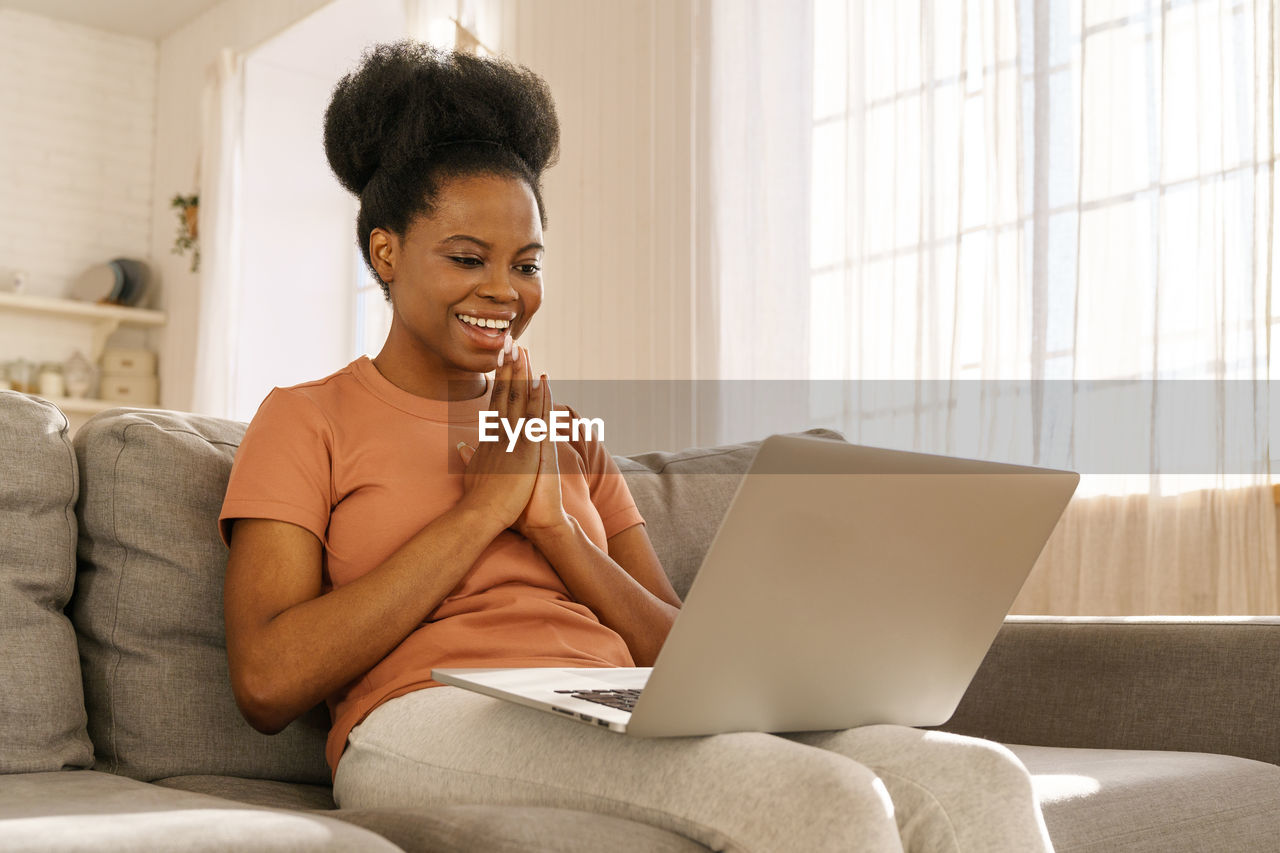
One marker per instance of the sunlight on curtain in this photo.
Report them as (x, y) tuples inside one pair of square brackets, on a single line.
[(1042, 231), (221, 167)]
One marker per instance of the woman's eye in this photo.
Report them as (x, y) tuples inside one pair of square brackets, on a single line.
[(467, 262), (529, 269)]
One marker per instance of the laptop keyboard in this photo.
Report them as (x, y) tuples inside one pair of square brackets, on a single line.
[(623, 700)]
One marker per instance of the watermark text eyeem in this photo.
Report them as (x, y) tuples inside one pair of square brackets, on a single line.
[(560, 427)]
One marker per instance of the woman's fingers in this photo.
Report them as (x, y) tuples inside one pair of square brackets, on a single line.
[(515, 397), (518, 392), (502, 380), (548, 463), (518, 400)]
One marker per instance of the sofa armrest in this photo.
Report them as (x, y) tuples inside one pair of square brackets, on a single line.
[(1186, 684)]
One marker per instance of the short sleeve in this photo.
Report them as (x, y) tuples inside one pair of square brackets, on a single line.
[(609, 492), (282, 469)]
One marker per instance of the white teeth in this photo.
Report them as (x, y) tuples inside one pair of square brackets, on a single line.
[(487, 324)]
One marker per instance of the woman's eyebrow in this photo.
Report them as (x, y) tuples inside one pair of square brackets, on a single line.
[(485, 245)]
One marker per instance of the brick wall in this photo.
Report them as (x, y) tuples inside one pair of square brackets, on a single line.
[(77, 131)]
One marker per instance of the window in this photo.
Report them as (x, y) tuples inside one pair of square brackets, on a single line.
[(1044, 190)]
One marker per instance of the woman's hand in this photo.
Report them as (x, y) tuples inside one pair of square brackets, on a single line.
[(499, 482), (544, 515)]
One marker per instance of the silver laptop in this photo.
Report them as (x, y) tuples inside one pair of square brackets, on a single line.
[(846, 586)]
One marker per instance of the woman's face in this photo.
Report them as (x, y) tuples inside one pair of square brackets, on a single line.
[(466, 276)]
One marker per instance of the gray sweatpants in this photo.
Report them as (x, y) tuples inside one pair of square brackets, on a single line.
[(876, 788)]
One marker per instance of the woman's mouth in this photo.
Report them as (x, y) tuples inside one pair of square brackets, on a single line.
[(487, 332)]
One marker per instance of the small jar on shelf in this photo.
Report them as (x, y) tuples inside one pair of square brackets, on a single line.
[(21, 376), (52, 382)]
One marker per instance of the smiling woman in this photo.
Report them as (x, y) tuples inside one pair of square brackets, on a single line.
[(370, 543)]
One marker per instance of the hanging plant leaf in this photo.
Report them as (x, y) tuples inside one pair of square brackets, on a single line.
[(188, 207)]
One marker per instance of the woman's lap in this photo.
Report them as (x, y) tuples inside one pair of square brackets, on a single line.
[(742, 791)]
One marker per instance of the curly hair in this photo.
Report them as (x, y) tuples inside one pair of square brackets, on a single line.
[(412, 116)]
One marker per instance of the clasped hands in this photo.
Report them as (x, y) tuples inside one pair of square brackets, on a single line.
[(520, 486)]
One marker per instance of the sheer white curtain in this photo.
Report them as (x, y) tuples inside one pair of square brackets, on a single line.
[(221, 168), (753, 160), (1038, 230)]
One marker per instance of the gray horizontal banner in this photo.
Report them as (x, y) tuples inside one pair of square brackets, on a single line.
[(1120, 427)]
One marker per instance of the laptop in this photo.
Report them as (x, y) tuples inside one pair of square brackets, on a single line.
[(846, 586)]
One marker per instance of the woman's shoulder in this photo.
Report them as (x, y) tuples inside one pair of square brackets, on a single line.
[(324, 397), (343, 381)]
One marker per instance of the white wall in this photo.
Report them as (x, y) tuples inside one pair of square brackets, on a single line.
[(77, 119), (183, 58), (298, 229)]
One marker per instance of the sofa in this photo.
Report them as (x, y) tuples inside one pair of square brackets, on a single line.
[(118, 729)]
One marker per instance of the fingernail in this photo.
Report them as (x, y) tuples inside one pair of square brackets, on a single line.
[(461, 444), (537, 382), (507, 343), (501, 353)]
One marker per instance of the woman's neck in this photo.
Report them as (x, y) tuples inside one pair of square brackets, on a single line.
[(422, 379)]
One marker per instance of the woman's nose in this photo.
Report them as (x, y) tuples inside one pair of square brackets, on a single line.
[(497, 286)]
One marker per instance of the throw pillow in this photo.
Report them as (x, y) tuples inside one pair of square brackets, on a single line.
[(42, 715)]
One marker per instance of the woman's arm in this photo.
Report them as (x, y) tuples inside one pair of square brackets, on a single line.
[(626, 587), (289, 647)]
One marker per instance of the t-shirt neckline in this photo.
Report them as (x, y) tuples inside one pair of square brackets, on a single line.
[(444, 411)]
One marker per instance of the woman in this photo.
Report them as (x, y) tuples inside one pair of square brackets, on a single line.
[(373, 537)]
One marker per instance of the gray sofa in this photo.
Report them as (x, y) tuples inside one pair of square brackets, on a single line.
[(118, 730)]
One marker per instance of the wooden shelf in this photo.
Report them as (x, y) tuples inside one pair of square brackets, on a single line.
[(87, 310), (104, 319)]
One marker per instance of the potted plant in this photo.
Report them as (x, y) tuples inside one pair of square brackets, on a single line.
[(188, 226)]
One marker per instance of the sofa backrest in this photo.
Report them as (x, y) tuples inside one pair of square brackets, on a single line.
[(148, 606), (42, 713), (148, 603)]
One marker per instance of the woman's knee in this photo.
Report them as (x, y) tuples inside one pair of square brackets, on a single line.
[(991, 765), (832, 801), (950, 792), (970, 795), (937, 760), (832, 781)]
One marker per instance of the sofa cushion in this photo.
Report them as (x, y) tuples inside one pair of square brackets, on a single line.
[(1101, 800), (84, 810), (42, 714), (148, 606), (515, 829), (684, 495), (455, 827), (260, 792)]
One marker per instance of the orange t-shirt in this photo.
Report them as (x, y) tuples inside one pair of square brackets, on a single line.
[(364, 465)]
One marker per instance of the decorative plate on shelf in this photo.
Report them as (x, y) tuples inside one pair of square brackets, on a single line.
[(133, 281), (98, 283)]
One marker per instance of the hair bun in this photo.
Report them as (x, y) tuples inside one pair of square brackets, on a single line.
[(407, 96)]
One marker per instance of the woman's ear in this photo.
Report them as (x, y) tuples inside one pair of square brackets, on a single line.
[(382, 253)]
